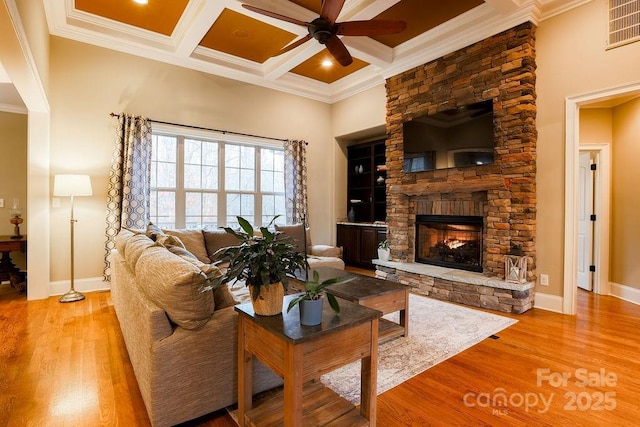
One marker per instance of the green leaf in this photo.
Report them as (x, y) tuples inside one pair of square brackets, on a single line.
[(246, 226), (266, 233), (333, 302), (295, 301)]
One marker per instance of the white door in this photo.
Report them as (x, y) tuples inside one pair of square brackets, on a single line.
[(585, 225)]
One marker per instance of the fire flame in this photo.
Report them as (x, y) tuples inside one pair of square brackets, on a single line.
[(454, 243)]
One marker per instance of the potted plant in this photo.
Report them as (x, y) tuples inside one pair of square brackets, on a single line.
[(263, 261), (311, 301), (384, 251)]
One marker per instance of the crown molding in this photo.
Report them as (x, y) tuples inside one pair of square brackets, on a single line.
[(11, 108), (182, 49)]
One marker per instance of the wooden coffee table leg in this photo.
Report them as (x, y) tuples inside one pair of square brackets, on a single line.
[(245, 374), (404, 314), (369, 378)]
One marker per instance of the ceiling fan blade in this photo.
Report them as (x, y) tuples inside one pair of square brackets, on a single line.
[(339, 51), (274, 15), (294, 45), (371, 28), (331, 9)]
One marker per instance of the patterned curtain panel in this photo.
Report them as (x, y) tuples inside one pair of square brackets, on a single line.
[(295, 181), (129, 181)]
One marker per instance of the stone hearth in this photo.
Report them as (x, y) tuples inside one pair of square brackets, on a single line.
[(459, 286), (501, 68)]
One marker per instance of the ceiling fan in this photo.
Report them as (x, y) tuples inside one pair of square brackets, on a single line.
[(326, 30)]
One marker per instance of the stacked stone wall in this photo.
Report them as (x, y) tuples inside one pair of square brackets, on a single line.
[(501, 68)]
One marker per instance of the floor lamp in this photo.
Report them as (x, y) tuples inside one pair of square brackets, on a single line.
[(72, 186)]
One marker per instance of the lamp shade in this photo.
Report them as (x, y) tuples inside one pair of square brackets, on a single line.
[(72, 185)]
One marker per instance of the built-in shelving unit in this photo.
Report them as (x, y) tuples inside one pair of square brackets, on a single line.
[(366, 182)]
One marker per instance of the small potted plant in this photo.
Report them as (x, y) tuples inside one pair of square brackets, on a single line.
[(311, 301), (384, 251), (264, 261)]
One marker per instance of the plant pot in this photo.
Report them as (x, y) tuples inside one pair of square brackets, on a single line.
[(310, 312), (384, 254), (269, 302)]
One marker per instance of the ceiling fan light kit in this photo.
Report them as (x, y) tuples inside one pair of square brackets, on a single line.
[(326, 30)]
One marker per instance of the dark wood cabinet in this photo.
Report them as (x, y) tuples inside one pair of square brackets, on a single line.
[(366, 181), (359, 243)]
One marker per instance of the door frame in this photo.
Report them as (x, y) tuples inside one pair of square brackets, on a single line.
[(572, 150)]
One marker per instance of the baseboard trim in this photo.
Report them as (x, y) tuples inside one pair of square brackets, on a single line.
[(548, 302), (625, 292), (82, 285)]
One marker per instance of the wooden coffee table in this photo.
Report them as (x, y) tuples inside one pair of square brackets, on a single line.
[(381, 295)]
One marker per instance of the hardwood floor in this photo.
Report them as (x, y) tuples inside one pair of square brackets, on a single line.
[(66, 365)]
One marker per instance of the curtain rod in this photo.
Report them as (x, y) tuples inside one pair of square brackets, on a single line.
[(212, 129)]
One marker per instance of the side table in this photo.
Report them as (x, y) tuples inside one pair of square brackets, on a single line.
[(300, 355), (8, 271)]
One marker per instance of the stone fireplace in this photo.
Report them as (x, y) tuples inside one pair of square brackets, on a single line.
[(503, 194)]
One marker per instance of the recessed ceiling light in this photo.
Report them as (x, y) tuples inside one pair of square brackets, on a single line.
[(241, 33), (141, 1), (327, 63)]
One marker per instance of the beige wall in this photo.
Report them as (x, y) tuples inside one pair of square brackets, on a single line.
[(13, 174), (625, 213), (596, 126), (572, 60), (87, 83)]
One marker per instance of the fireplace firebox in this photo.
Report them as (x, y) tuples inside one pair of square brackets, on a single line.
[(449, 241)]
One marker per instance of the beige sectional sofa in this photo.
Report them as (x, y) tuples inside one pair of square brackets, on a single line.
[(182, 342)]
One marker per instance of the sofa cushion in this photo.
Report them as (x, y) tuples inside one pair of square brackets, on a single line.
[(296, 233), (131, 245), (215, 240), (222, 297), (166, 241), (323, 261), (326, 251), (173, 284), (193, 241)]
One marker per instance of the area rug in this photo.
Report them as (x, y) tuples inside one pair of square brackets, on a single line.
[(437, 331)]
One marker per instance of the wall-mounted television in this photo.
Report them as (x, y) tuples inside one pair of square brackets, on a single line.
[(454, 138)]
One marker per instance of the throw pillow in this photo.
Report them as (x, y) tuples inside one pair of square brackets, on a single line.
[(214, 240), (193, 241), (297, 236), (153, 231)]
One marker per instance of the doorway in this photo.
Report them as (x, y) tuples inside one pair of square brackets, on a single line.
[(602, 186)]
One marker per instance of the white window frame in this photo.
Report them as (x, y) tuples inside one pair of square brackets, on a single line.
[(182, 133)]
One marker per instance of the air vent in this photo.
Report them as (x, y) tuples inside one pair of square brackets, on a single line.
[(624, 22)]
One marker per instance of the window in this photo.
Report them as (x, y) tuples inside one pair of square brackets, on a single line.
[(205, 181)]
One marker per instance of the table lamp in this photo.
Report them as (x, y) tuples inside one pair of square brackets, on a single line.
[(72, 186)]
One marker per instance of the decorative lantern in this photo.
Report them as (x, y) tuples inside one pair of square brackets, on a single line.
[(515, 265)]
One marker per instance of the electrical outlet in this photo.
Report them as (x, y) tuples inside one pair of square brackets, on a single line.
[(1, 203), (544, 280)]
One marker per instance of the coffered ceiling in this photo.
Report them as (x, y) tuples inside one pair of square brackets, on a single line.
[(223, 38)]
